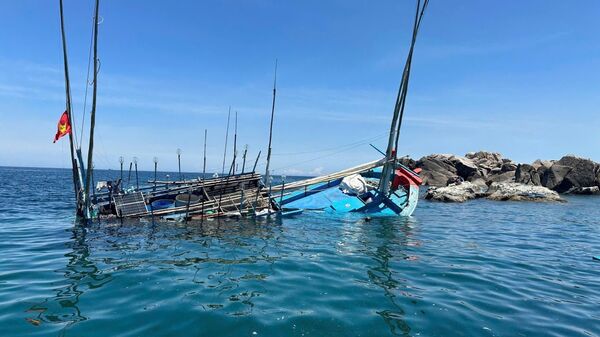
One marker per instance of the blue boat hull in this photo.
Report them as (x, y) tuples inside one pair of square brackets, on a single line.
[(329, 197)]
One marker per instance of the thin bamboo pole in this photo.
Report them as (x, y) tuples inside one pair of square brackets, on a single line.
[(226, 137), (93, 111), (75, 170), (271, 125)]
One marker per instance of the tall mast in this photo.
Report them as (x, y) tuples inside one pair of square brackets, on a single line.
[(390, 155), (93, 110), (204, 161), (234, 142), (267, 173), (76, 173), (204, 173), (407, 69), (226, 137)]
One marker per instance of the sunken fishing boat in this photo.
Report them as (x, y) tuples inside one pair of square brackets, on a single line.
[(383, 186), (231, 194)]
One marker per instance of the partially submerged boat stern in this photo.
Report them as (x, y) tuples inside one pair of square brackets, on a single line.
[(358, 192)]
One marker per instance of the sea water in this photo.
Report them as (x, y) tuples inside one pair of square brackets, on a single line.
[(481, 268)]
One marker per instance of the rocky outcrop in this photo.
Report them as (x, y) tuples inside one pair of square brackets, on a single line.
[(521, 192), (443, 169), (437, 170), (460, 192), (570, 174), (504, 191), (500, 177), (528, 175), (465, 168)]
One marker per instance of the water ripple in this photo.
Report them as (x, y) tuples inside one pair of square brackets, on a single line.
[(478, 269)]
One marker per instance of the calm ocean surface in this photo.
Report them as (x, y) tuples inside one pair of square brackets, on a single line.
[(476, 269)]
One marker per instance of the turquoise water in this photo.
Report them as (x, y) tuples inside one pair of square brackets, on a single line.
[(476, 269)]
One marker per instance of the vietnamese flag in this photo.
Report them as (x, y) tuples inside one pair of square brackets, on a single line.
[(64, 127)]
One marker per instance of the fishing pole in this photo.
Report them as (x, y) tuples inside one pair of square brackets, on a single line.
[(271, 124), (244, 158), (137, 182), (121, 161), (93, 108), (77, 179), (226, 137), (235, 142), (256, 161), (225, 186), (384, 183), (204, 176), (258, 184), (408, 66), (179, 163), (155, 159)]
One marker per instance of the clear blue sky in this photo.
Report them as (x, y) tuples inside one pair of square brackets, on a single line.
[(518, 77)]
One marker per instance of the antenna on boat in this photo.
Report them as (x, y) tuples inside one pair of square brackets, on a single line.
[(92, 113), (244, 158), (204, 160), (77, 177), (226, 137), (155, 160), (121, 161), (137, 181), (390, 155), (234, 142), (256, 161), (204, 175), (179, 162), (271, 126)]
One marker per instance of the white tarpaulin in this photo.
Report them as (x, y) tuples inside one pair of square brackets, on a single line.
[(354, 185)]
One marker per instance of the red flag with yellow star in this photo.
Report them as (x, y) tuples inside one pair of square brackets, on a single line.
[(64, 127)]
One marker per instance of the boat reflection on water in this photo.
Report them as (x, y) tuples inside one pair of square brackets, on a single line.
[(234, 271), (82, 275), (213, 256), (387, 242), (394, 236)]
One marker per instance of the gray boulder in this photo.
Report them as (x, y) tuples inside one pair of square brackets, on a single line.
[(465, 167), (554, 176), (528, 175), (456, 192), (486, 160), (521, 192), (437, 169), (500, 177), (408, 162), (542, 164), (508, 166), (570, 172)]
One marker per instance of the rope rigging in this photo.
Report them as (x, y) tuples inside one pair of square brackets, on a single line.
[(359, 142), (87, 80)]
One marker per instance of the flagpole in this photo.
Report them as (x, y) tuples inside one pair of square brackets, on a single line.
[(76, 172)]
